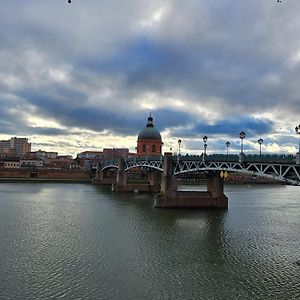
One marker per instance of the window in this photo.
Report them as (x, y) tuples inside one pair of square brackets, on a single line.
[(144, 148), (153, 148)]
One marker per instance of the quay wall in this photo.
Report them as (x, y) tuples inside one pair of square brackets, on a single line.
[(44, 174), (13, 173)]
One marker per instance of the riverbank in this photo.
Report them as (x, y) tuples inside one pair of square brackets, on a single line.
[(40, 180), (44, 175)]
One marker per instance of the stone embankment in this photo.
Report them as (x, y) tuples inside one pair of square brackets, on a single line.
[(44, 175)]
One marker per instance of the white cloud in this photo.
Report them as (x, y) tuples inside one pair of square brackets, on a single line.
[(155, 17), (208, 60)]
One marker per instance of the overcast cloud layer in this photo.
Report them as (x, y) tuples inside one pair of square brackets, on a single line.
[(85, 75)]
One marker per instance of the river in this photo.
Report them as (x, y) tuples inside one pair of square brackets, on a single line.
[(79, 241)]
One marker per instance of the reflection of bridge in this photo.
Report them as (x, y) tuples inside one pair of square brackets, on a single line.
[(164, 171), (282, 169)]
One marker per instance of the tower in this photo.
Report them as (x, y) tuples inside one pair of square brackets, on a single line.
[(149, 141)]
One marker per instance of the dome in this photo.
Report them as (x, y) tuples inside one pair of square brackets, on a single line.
[(149, 132)]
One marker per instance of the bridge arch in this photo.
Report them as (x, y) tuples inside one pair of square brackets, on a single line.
[(143, 166), (112, 166)]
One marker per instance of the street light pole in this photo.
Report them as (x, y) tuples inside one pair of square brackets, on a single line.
[(242, 136), (178, 155), (227, 146), (205, 146), (260, 141), (179, 143), (297, 129)]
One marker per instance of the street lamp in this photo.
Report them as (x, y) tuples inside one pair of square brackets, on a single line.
[(227, 146), (179, 143), (242, 155), (297, 129), (205, 146), (260, 141), (242, 136)]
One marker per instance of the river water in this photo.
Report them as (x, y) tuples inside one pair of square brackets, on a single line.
[(79, 241)]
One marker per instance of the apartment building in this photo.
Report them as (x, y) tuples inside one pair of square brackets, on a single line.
[(15, 146)]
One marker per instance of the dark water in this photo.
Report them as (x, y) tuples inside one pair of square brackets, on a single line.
[(76, 241)]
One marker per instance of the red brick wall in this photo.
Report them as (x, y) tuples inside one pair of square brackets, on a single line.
[(63, 174), (14, 173), (45, 174), (149, 145)]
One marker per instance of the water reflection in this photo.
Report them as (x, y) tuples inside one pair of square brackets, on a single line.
[(81, 241)]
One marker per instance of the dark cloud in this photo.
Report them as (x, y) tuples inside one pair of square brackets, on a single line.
[(91, 66), (253, 127), (49, 131)]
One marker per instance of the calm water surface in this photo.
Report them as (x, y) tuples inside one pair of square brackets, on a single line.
[(77, 241)]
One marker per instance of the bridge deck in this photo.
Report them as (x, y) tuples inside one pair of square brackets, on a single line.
[(280, 168)]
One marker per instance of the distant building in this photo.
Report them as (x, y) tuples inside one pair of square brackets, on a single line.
[(29, 163), (62, 163), (42, 155), (11, 164), (90, 159), (5, 147), (115, 152), (15, 147), (65, 157), (149, 141)]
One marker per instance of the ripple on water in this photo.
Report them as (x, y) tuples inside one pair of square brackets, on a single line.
[(91, 244)]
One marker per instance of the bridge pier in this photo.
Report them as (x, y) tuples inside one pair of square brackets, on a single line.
[(101, 179), (170, 197), (123, 183), (215, 186), (154, 181)]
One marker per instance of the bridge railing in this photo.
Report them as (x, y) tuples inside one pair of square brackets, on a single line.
[(144, 158), (115, 161), (250, 158), (271, 158)]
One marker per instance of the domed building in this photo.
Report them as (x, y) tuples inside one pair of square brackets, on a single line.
[(149, 141)]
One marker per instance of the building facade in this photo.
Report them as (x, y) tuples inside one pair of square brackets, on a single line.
[(11, 164), (149, 141), (15, 146), (31, 163), (42, 155), (91, 159)]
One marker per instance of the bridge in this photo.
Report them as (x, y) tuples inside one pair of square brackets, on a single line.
[(163, 173), (281, 168)]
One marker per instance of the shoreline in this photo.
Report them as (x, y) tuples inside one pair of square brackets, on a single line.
[(41, 180)]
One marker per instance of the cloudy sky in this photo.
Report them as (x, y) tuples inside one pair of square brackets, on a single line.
[(84, 76)]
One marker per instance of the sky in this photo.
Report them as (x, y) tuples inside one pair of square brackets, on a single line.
[(85, 76)]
